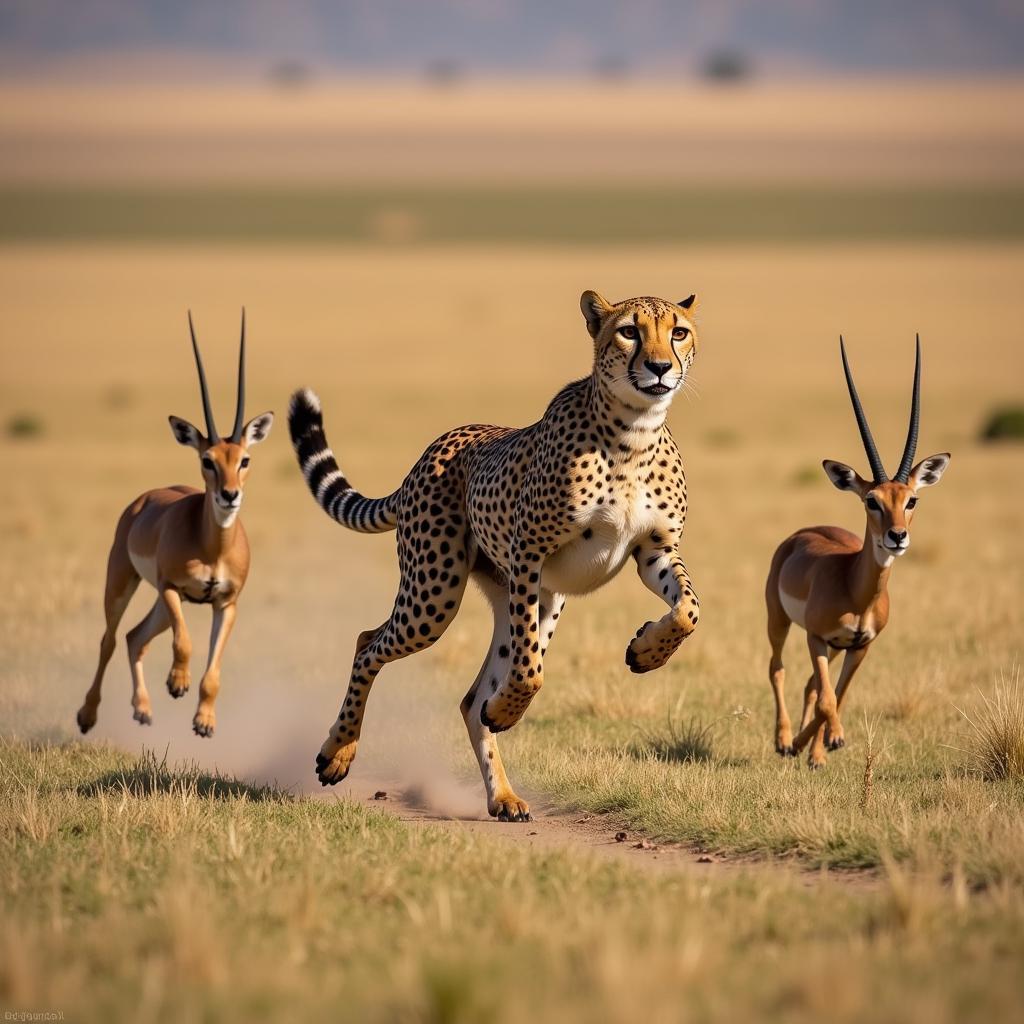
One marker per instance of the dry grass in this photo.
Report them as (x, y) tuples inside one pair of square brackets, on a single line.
[(183, 903), (310, 906), (996, 745)]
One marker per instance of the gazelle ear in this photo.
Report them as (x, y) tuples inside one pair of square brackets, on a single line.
[(186, 434), (845, 478), (257, 428), (595, 308), (929, 471), (687, 303)]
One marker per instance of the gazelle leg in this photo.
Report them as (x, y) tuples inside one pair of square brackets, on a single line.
[(825, 705), (205, 719), (122, 582), (138, 640), (778, 630), (178, 679), (852, 662)]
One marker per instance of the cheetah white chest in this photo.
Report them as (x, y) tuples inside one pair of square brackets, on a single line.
[(609, 535)]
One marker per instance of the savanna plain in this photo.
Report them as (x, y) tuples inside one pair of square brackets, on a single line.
[(178, 891), (151, 875)]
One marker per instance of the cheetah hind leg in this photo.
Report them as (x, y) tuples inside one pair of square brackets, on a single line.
[(423, 611)]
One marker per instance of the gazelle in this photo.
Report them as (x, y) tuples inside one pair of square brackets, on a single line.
[(188, 544), (835, 585)]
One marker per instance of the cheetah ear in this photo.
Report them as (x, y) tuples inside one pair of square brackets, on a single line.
[(595, 308), (687, 303)]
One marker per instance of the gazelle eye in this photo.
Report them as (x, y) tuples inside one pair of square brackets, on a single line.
[(872, 503), (207, 462), (628, 332), (244, 462), (911, 503), (679, 333)]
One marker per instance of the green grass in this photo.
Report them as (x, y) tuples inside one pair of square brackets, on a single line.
[(131, 890), (550, 214)]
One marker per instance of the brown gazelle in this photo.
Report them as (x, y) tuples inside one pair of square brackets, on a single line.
[(835, 584), (189, 544)]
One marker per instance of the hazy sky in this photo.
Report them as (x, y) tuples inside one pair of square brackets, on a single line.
[(501, 36)]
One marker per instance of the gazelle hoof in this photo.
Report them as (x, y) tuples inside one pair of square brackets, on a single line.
[(85, 720)]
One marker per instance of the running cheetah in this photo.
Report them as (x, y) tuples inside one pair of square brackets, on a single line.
[(532, 514)]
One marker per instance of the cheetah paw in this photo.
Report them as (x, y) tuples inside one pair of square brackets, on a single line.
[(333, 762), (509, 808), (647, 651)]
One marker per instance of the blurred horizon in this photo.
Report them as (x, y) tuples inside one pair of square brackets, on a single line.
[(447, 40)]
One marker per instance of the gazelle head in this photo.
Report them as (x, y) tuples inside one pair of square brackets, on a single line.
[(224, 462), (889, 504)]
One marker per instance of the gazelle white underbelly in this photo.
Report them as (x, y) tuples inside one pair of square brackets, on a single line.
[(145, 567), (793, 607)]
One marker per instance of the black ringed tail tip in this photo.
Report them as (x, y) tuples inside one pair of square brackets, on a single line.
[(326, 482)]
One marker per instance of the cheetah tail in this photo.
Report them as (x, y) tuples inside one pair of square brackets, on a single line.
[(335, 495)]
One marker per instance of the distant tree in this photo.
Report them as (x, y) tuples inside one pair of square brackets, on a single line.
[(290, 74), (726, 65), (443, 72), (612, 67)]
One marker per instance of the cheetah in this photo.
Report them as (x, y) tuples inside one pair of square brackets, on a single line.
[(533, 515)]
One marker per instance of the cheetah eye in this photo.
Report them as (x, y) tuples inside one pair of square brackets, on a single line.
[(911, 503), (872, 503), (628, 332), (679, 333), (244, 462)]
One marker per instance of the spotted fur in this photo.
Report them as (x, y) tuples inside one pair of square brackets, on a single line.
[(532, 514)]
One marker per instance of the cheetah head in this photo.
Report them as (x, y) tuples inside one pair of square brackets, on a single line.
[(642, 347)]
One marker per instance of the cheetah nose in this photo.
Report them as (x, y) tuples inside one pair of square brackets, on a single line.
[(657, 368), (228, 496)]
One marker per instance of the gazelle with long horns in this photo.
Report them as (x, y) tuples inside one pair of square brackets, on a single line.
[(189, 545), (835, 584)]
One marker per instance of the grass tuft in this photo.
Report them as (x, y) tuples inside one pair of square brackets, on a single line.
[(996, 750), (687, 740), (149, 775)]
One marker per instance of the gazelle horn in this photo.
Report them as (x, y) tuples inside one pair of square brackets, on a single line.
[(236, 434), (211, 428), (910, 448), (877, 469)]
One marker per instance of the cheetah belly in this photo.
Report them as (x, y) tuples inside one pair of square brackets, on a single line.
[(590, 562)]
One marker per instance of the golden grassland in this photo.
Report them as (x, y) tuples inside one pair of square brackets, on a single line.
[(185, 895), (131, 892)]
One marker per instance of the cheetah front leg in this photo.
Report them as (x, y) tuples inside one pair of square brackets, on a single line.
[(664, 574), (503, 802), (525, 674)]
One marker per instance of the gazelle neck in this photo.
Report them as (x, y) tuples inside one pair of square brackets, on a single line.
[(215, 538), (870, 575)]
